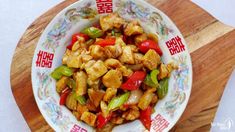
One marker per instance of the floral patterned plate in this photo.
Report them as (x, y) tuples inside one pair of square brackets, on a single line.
[(55, 38)]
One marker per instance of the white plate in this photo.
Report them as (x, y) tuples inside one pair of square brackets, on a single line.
[(56, 37)]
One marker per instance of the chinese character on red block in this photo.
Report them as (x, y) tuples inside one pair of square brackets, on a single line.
[(77, 128), (104, 6), (159, 123), (44, 59), (175, 45)]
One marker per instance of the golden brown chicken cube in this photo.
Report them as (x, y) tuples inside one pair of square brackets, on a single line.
[(151, 59), (61, 84), (126, 72), (96, 70), (113, 51), (133, 48), (112, 79), (71, 102), (95, 96), (112, 63), (74, 61), (94, 83), (86, 58), (81, 109), (127, 55), (119, 41), (138, 58), (89, 118), (110, 21), (140, 38), (133, 28), (66, 56), (164, 71), (97, 52), (81, 82), (109, 94)]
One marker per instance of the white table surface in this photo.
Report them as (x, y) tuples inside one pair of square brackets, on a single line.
[(17, 15)]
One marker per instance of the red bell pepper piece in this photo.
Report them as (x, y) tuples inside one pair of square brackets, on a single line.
[(145, 117), (102, 121), (134, 81), (106, 42), (75, 39), (149, 44), (64, 95)]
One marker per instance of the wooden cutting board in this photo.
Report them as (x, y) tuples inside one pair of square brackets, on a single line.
[(212, 47)]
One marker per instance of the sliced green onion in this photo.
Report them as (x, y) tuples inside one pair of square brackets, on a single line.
[(118, 101), (60, 71), (93, 32)]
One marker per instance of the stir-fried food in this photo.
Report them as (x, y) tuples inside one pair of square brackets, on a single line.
[(112, 74)]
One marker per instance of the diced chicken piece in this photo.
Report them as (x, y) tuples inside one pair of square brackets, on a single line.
[(119, 41), (146, 99), (61, 84), (135, 67), (97, 52), (97, 70), (164, 71), (140, 38), (86, 58), (112, 63), (71, 102), (107, 128), (93, 84), (81, 109), (138, 58), (131, 114), (81, 83), (74, 61), (113, 51), (76, 114), (153, 37), (109, 94), (90, 106), (66, 56), (155, 99), (79, 44), (110, 21), (112, 79), (95, 96), (126, 72), (87, 64), (127, 55), (133, 48), (133, 28), (89, 118), (117, 120), (151, 59)]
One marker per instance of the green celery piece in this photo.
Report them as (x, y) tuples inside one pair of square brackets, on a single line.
[(66, 71), (56, 75), (60, 71), (163, 88), (153, 76)]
